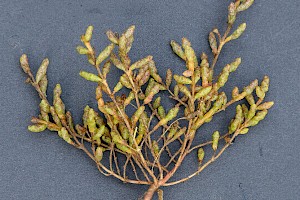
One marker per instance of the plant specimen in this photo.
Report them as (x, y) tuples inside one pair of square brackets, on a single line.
[(132, 130)]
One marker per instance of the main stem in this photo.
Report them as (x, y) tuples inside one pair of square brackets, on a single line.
[(150, 192)]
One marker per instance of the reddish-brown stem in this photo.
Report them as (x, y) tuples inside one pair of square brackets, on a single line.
[(150, 192)]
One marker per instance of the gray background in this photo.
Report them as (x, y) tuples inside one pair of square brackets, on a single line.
[(261, 165)]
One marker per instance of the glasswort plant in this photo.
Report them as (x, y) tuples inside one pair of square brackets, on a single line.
[(112, 133)]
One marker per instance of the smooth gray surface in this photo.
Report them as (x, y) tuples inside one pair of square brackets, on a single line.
[(261, 165)]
